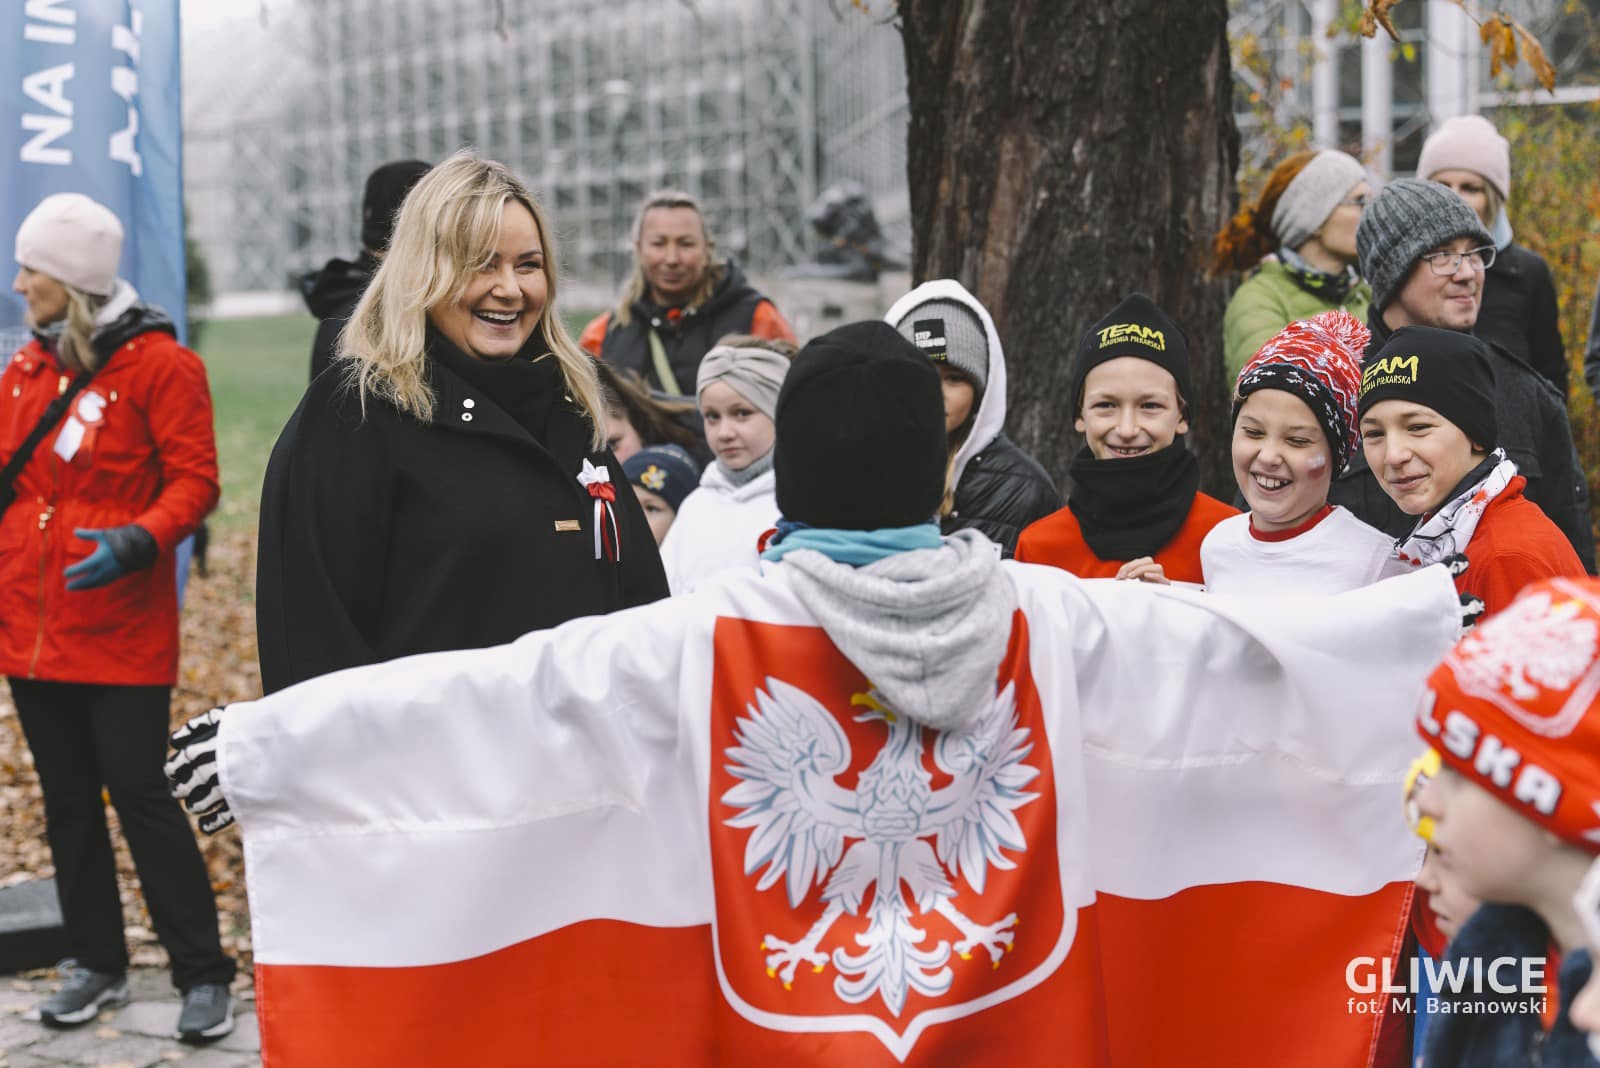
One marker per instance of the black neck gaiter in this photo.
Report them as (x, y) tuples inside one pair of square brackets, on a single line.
[(1128, 508)]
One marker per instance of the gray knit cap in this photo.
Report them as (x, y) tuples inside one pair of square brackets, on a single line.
[(1308, 201), (1406, 220), (947, 331)]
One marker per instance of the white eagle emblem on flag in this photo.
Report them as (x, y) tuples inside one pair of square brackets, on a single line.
[(903, 834)]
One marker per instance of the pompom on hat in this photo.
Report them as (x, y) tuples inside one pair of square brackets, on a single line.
[(1515, 708), (74, 240), (1319, 361)]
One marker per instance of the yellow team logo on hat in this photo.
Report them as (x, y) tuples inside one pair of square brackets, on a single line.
[(1142, 335), (653, 478), (1390, 371)]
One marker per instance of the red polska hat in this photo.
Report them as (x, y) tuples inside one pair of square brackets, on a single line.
[(1513, 708)]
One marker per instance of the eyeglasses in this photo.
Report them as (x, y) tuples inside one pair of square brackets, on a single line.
[(1423, 769), (1446, 263)]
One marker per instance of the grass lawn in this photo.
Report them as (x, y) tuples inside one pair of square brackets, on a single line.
[(258, 370)]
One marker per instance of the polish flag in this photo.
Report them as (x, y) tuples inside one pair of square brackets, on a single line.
[(691, 834)]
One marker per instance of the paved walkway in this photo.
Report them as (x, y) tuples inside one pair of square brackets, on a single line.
[(136, 1035)]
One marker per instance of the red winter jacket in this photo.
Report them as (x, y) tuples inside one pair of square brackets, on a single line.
[(147, 456)]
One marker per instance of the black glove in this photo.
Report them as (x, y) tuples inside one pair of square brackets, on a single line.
[(192, 771)]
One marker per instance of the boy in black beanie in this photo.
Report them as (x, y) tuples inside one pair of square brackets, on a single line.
[(1430, 433), (1135, 510)]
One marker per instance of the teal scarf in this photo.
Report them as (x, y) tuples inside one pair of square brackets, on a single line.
[(853, 547)]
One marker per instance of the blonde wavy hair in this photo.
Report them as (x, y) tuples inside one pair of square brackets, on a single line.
[(446, 230), (636, 286), (77, 334)]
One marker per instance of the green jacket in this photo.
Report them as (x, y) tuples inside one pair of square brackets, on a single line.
[(1268, 301)]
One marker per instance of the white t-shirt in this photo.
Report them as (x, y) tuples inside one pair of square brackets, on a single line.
[(1339, 553), (718, 527)]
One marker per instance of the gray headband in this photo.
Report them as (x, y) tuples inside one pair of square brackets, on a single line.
[(754, 374), (1312, 196)]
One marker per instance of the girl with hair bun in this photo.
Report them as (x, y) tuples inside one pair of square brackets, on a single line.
[(1299, 238)]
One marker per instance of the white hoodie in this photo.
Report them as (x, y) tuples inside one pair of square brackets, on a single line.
[(718, 527), (991, 417)]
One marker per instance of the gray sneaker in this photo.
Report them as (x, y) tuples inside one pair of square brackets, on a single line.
[(207, 1014), (81, 996)]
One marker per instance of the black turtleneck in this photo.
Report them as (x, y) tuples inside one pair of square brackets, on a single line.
[(526, 386)]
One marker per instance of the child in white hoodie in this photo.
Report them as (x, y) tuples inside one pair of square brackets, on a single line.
[(720, 525)]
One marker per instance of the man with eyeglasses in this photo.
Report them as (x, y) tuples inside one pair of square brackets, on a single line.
[(1424, 252)]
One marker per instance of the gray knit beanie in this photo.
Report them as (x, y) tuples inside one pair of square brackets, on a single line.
[(1407, 219), (947, 331), (1313, 194)]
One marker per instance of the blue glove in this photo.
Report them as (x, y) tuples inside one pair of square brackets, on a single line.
[(120, 550)]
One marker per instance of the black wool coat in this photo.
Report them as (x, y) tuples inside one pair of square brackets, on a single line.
[(1519, 313), (385, 536)]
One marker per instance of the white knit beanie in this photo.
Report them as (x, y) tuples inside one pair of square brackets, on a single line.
[(1468, 143), (73, 240)]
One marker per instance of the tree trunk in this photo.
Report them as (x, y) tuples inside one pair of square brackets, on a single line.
[(1063, 154)]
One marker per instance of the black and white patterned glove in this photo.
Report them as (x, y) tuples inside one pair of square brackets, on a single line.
[(1457, 563), (1471, 612), (192, 771)]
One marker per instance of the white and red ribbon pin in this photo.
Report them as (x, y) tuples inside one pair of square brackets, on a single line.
[(597, 480)]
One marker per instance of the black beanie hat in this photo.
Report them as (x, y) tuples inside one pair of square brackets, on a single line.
[(386, 190), (1445, 370), (860, 432), (1136, 327)]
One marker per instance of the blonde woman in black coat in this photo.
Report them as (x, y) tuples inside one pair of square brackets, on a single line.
[(452, 488)]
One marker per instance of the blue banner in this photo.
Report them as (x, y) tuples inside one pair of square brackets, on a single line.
[(90, 103)]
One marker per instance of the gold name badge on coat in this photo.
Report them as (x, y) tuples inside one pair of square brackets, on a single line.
[(568, 526)]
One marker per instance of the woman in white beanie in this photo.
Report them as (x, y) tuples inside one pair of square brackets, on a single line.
[(88, 599), (1299, 239), (1518, 310), (721, 524)]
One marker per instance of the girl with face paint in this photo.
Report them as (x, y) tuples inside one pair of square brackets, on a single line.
[(1294, 414)]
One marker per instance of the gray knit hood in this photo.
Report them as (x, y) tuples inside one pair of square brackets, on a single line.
[(927, 627)]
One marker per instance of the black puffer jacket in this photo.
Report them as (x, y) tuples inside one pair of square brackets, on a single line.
[(1473, 1029), (332, 294), (1535, 434), (1002, 490), (1519, 313), (685, 338)]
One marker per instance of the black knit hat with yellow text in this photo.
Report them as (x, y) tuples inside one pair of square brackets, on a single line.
[(1445, 370), (1136, 327)]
